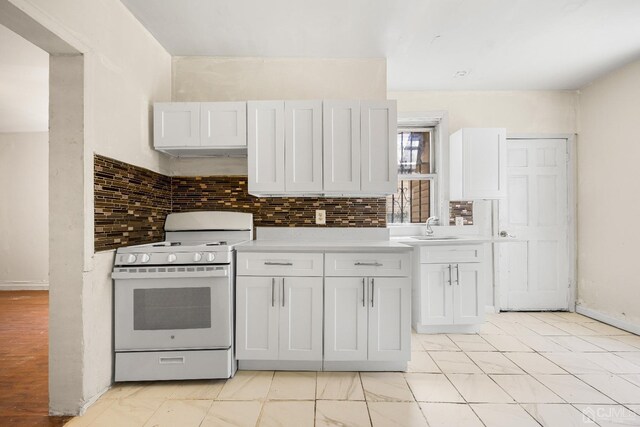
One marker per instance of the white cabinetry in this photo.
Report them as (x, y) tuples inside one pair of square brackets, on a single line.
[(379, 152), (200, 128), (279, 316), (448, 288), (478, 160), (367, 311), (341, 145), (330, 148)]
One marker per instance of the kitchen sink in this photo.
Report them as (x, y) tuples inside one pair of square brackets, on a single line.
[(434, 237)]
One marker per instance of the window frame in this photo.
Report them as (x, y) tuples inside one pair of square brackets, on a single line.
[(437, 122)]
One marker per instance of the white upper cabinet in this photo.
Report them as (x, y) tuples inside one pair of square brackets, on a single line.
[(303, 146), (223, 124), (176, 124), (379, 157), (341, 144), (193, 129), (478, 160), (344, 148), (265, 145)]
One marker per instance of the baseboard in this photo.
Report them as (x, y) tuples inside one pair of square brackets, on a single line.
[(490, 309), (609, 320), (24, 286)]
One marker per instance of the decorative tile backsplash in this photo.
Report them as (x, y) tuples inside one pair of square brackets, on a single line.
[(131, 204), (230, 193), (463, 209)]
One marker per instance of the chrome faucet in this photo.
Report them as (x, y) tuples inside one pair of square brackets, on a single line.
[(431, 219)]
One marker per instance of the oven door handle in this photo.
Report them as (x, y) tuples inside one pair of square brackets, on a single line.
[(168, 272)]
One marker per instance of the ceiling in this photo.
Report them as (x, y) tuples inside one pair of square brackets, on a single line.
[(24, 85), (499, 44)]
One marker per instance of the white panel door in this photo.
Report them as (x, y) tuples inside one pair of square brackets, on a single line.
[(436, 305), (389, 319), (265, 146), (468, 295), (223, 124), (257, 312), (534, 260), (379, 157), (176, 124), (345, 318), (303, 145), (484, 157), (341, 146), (301, 318)]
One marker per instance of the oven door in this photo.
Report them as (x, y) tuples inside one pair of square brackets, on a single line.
[(172, 308)]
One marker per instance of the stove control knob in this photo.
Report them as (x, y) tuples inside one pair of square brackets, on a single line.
[(145, 258), (211, 256), (131, 258), (197, 257), (172, 258)]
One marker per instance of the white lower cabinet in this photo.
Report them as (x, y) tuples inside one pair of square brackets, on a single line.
[(279, 318), (448, 294), (292, 316), (367, 318)]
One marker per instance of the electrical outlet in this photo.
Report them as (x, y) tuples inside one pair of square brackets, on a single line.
[(321, 216), (459, 221)]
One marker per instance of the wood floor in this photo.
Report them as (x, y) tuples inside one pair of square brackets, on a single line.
[(24, 364)]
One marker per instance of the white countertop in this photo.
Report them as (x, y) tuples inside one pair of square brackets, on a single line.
[(323, 246), (462, 240)]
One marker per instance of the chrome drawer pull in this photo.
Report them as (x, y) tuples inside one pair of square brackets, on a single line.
[(277, 263), (370, 264), (273, 294), (363, 293)]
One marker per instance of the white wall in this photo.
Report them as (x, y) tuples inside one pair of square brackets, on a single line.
[(123, 71), (608, 203), (518, 111), (233, 79), (24, 99), (24, 210)]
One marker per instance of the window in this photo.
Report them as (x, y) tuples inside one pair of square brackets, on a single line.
[(413, 201)]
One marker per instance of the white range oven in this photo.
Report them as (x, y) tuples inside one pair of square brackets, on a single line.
[(173, 300)]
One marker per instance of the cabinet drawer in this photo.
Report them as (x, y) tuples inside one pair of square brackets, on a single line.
[(367, 264), (173, 365), (279, 264), (451, 254)]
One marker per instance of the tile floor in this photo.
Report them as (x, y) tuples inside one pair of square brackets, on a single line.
[(524, 369)]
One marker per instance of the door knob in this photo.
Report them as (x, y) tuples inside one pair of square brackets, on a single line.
[(503, 233)]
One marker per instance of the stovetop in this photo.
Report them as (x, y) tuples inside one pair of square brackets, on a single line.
[(177, 253)]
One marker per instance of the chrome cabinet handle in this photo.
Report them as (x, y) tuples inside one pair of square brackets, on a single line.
[(273, 293), (363, 293), (458, 274), (370, 264), (277, 263), (449, 274), (283, 291), (373, 291)]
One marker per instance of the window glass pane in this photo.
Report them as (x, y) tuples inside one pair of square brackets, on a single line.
[(414, 150), (410, 203)]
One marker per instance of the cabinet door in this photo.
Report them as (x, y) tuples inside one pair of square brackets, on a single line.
[(379, 158), (341, 146), (389, 319), (265, 146), (345, 318), (257, 318), (436, 305), (301, 318), (303, 145), (176, 124), (468, 301), (478, 161), (223, 124)]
